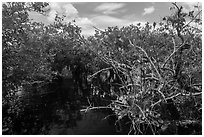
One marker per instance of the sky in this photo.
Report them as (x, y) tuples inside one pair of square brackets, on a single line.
[(107, 14)]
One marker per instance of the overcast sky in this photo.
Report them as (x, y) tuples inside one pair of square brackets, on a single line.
[(103, 15)]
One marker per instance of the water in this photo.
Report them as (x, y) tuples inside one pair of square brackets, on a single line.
[(93, 122)]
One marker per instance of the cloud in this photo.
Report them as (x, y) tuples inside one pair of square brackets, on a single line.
[(104, 21), (51, 15), (142, 23), (148, 10), (83, 21), (109, 8), (189, 6), (100, 21), (88, 32), (70, 10), (71, 13), (86, 25), (192, 4), (61, 9)]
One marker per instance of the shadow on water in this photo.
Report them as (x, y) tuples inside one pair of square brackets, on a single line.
[(93, 122), (102, 122)]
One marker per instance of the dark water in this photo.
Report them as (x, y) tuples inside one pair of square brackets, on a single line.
[(96, 122), (93, 122)]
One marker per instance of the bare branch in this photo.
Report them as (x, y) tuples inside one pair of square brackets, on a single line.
[(192, 19), (98, 29), (170, 70), (172, 54), (151, 78), (90, 77), (141, 110), (160, 77), (94, 108), (34, 82), (173, 40), (182, 94), (174, 51), (197, 84)]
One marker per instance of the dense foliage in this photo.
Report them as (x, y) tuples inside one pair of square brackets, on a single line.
[(150, 75)]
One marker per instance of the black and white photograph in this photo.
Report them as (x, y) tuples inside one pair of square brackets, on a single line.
[(101, 68)]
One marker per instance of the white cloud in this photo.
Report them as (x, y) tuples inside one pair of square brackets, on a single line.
[(109, 8), (70, 10), (86, 25), (104, 21), (189, 6), (142, 23), (192, 4), (71, 13), (148, 10), (62, 9), (51, 15), (88, 32), (84, 22)]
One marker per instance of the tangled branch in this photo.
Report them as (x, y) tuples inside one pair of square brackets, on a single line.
[(160, 77)]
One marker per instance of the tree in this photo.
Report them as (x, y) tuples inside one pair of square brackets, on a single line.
[(140, 72), (153, 69)]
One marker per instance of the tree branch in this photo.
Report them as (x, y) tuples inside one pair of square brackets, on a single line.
[(94, 108), (192, 19), (172, 54), (160, 77), (174, 51), (98, 29), (93, 75), (182, 94)]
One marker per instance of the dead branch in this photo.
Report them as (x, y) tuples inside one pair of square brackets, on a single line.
[(179, 94), (174, 51), (160, 77), (192, 19), (94, 108), (93, 75), (98, 29), (172, 54)]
